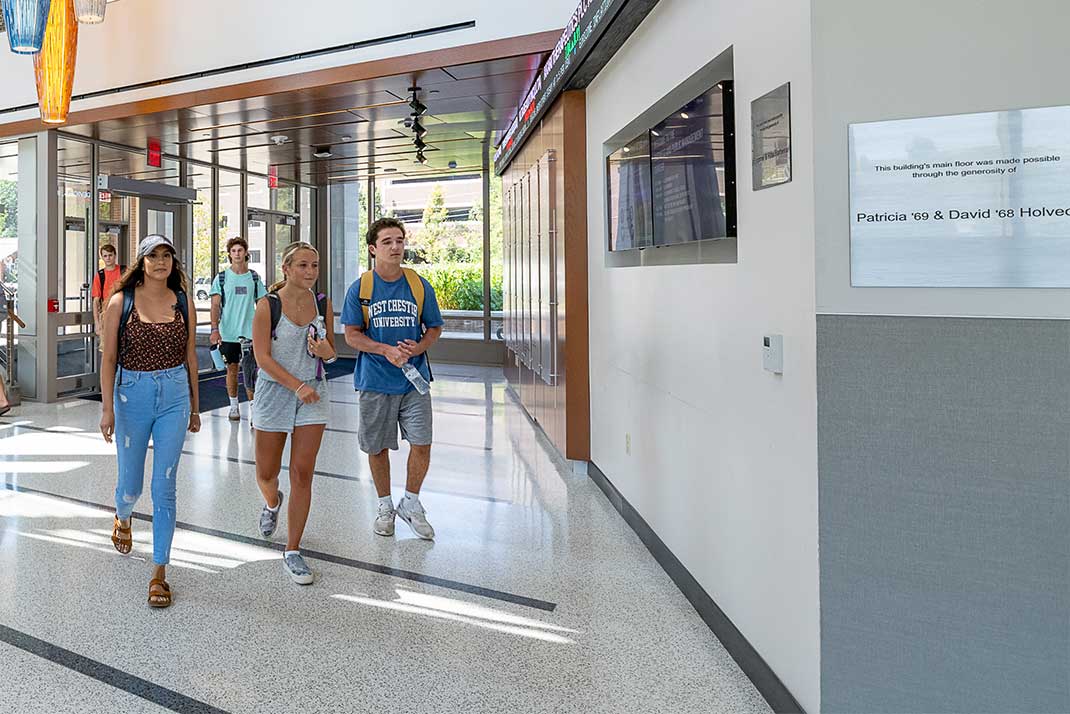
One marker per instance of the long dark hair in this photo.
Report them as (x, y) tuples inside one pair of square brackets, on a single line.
[(135, 276)]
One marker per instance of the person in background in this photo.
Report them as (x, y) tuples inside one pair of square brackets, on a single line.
[(293, 336), (149, 332), (103, 282), (393, 326), (234, 294)]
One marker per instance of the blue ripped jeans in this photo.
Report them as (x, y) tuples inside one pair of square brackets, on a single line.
[(152, 404)]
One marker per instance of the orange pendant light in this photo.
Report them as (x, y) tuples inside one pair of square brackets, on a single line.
[(54, 64)]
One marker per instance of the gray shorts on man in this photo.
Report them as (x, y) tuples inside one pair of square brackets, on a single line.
[(382, 414)]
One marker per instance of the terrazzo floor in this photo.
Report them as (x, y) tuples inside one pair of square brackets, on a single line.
[(535, 596)]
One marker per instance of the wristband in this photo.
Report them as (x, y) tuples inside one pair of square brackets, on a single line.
[(297, 392)]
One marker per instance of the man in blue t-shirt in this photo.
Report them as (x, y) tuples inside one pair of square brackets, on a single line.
[(400, 332), (234, 294)]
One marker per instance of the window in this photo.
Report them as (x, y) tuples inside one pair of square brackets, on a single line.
[(229, 212), (444, 224), (200, 178)]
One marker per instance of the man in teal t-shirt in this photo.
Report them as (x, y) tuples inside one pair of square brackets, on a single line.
[(234, 295)]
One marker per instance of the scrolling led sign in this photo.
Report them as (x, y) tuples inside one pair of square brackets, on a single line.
[(587, 24)]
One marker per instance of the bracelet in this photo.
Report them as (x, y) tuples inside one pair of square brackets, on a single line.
[(297, 392), (332, 360)]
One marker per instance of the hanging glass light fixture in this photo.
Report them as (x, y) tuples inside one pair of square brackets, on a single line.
[(90, 12), (25, 20), (53, 66)]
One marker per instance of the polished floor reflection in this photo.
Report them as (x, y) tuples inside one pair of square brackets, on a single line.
[(535, 597)]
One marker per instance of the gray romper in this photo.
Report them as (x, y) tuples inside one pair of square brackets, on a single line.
[(276, 408)]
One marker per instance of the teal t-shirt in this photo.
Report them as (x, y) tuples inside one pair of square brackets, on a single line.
[(239, 304)]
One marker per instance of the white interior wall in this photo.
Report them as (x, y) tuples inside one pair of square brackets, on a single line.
[(928, 59), (144, 40), (723, 461)]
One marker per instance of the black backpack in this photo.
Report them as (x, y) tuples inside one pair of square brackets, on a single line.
[(258, 287), (275, 303)]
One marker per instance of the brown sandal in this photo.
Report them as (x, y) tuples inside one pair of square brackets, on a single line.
[(159, 593), (122, 538)]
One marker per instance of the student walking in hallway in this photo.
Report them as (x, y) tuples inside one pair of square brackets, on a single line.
[(149, 332), (392, 317), (293, 335), (234, 295)]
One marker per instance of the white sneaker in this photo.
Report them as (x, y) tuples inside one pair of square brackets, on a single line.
[(234, 414), (412, 512), (384, 522), (298, 569)]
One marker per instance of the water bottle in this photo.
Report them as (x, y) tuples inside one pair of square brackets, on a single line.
[(321, 328), (417, 379)]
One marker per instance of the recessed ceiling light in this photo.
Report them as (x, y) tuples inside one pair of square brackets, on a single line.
[(279, 139), (684, 115), (323, 152), (654, 133), (347, 138), (626, 149)]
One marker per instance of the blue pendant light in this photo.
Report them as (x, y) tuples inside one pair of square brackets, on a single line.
[(26, 21)]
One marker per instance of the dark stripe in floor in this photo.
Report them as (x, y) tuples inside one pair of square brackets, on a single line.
[(326, 557), (164, 697)]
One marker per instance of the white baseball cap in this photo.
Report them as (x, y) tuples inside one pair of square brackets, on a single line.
[(149, 243)]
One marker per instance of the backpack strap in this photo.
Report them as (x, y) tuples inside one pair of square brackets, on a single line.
[(222, 278), (124, 317), (183, 307), (275, 303), (367, 285), (100, 278), (416, 285), (321, 304), (258, 285)]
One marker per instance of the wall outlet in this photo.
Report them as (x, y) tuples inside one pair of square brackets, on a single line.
[(628, 444)]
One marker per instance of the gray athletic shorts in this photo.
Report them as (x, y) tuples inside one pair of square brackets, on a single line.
[(276, 408), (382, 414)]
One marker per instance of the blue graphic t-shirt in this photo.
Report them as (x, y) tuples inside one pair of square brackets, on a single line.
[(393, 318)]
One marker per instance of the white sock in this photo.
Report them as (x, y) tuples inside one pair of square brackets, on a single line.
[(277, 506), (415, 497), (386, 501), (290, 552), (233, 401)]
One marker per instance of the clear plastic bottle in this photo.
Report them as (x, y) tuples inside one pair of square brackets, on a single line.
[(417, 379), (321, 328)]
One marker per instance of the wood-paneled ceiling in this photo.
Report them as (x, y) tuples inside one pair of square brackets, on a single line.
[(362, 123)]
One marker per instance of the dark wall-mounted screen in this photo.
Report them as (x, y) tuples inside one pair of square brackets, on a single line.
[(675, 183), (628, 196)]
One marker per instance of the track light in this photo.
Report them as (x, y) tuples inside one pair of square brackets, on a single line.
[(419, 143), (418, 107), (420, 157), (419, 129)]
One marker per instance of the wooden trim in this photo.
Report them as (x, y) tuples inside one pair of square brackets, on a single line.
[(577, 316), (372, 69)]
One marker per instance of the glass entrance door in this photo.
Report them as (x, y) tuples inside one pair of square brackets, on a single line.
[(268, 235), (76, 353), (159, 217)]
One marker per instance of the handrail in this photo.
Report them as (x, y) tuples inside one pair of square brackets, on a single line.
[(12, 356)]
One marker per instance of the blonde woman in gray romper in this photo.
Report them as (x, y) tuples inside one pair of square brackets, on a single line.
[(291, 396)]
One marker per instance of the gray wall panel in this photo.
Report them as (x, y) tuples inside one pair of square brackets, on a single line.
[(944, 460)]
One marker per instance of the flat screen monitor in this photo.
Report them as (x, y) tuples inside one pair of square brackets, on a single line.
[(675, 182), (628, 195)]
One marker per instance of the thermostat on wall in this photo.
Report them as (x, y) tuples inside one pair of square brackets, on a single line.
[(773, 353)]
